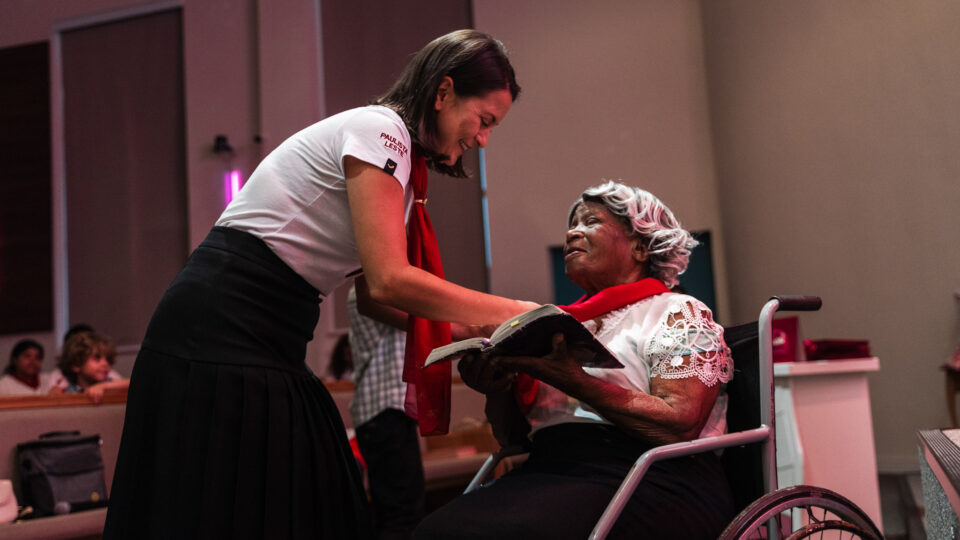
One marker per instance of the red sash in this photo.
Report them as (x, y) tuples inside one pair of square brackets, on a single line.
[(585, 309), (32, 382), (428, 390)]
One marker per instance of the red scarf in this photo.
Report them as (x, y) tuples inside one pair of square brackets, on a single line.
[(428, 390), (585, 309), (32, 382)]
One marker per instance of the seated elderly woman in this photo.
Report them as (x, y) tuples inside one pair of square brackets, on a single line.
[(588, 425)]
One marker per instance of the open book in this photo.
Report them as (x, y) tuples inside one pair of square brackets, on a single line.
[(531, 334)]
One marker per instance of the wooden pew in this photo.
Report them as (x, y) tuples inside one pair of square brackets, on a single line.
[(449, 461), (24, 418)]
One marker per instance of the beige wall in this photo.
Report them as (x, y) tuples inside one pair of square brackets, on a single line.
[(614, 92), (836, 129)]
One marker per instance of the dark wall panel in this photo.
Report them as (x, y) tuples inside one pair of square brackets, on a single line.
[(26, 283)]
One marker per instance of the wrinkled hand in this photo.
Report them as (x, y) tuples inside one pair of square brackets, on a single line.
[(561, 366), (484, 373)]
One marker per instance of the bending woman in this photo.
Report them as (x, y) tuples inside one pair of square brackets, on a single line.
[(227, 433), (625, 248)]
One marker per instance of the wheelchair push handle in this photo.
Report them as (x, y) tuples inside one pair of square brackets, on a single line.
[(798, 303)]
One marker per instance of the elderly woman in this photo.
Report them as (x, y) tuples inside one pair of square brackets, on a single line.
[(588, 426)]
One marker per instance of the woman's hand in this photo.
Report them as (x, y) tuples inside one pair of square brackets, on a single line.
[(484, 374), (527, 305), (460, 332), (674, 410), (559, 368)]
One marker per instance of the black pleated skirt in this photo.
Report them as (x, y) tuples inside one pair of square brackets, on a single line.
[(227, 433)]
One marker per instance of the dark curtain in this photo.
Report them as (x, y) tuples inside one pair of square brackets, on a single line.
[(26, 272)]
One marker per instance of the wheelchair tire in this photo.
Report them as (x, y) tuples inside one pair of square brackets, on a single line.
[(820, 527), (820, 509)]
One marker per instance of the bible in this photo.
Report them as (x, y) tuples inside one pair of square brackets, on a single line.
[(531, 334)]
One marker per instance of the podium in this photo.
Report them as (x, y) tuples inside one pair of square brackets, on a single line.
[(825, 428)]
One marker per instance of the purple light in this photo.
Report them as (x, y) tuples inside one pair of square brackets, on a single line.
[(232, 182)]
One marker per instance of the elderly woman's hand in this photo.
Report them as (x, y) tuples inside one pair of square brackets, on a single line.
[(484, 373), (561, 366)]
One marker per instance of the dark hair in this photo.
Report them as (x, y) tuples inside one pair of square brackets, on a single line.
[(76, 329), (476, 62), (20, 348), (79, 347), (341, 359)]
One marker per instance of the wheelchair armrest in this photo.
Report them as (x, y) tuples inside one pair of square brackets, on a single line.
[(668, 451), (490, 464)]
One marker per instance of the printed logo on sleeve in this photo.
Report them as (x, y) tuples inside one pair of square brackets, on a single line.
[(390, 167), (391, 142)]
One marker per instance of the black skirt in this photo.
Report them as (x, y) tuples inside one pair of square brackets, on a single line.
[(227, 433), (571, 475)]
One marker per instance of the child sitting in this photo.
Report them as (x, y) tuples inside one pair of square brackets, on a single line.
[(85, 363)]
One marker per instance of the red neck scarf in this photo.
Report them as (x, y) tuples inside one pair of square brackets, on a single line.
[(32, 382), (585, 309), (428, 390)]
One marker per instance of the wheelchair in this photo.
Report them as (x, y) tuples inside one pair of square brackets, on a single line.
[(749, 453)]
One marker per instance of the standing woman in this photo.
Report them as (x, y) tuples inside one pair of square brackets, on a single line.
[(227, 433)]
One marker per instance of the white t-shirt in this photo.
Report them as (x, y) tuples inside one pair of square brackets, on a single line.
[(11, 386), (649, 344), (296, 199)]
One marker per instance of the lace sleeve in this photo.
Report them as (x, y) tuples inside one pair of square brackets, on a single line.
[(688, 343)]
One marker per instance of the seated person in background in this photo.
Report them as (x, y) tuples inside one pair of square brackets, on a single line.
[(386, 436), (57, 381), (22, 376), (341, 360), (588, 425), (76, 329), (86, 363)]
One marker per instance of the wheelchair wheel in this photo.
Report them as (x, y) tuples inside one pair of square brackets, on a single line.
[(833, 528), (800, 511)]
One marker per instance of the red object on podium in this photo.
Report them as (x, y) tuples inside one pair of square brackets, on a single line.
[(785, 339), (836, 349)]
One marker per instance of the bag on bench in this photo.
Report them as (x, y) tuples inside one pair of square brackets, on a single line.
[(62, 472)]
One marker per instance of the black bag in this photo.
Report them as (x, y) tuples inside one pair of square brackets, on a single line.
[(62, 472)]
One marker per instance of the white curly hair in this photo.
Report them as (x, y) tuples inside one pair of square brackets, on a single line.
[(668, 244)]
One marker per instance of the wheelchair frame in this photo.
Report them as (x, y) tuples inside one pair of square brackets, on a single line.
[(761, 516)]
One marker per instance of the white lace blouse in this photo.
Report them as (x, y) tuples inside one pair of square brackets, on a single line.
[(651, 338)]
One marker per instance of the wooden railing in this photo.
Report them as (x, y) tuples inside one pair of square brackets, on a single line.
[(109, 396), (114, 395)]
